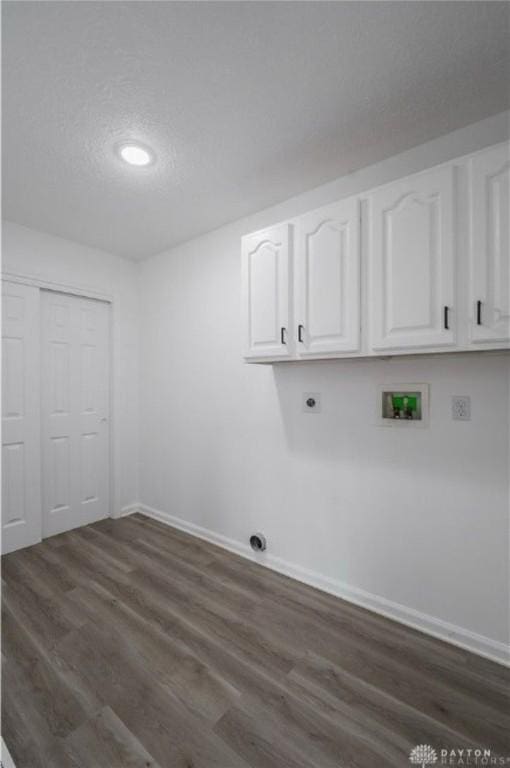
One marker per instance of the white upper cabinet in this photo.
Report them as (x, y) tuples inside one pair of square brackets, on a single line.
[(412, 263), (327, 280), (418, 265), (489, 296), (266, 274)]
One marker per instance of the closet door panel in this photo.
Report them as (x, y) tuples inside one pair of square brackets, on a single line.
[(75, 411), (57, 409), (21, 446), (94, 407), (327, 285)]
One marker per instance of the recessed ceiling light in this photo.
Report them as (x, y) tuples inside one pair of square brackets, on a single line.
[(135, 154)]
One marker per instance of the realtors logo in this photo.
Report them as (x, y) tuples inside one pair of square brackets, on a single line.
[(423, 755)]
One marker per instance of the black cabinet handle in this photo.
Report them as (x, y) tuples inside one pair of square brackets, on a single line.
[(300, 330), (446, 324), (478, 312), (282, 335)]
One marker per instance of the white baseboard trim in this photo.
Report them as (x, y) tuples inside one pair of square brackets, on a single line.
[(130, 509), (443, 630)]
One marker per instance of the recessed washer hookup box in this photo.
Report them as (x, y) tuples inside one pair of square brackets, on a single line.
[(403, 405)]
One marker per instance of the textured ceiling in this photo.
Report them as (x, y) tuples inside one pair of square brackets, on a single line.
[(244, 103)]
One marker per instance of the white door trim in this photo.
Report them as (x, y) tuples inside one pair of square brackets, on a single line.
[(88, 293), (85, 291)]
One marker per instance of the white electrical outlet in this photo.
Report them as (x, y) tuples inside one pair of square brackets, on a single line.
[(311, 402), (461, 408)]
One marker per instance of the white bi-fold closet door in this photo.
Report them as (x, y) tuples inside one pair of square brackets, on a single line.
[(21, 443), (75, 398), (56, 409)]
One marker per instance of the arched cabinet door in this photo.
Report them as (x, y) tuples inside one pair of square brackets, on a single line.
[(412, 263), (489, 295), (327, 285), (266, 272)]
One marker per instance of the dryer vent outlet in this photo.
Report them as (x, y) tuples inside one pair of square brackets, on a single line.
[(258, 542)]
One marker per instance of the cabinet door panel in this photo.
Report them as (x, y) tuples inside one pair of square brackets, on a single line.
[(412, 263), (490, 246), (328, 280), (265, 283)]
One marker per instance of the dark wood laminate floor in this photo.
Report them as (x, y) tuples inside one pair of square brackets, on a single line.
[(130, 644)]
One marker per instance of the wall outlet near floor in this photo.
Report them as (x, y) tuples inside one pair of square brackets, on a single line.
[(461, 408), (311, 402)]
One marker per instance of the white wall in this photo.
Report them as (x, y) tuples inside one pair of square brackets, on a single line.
[(413, 523), (36, 254)]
